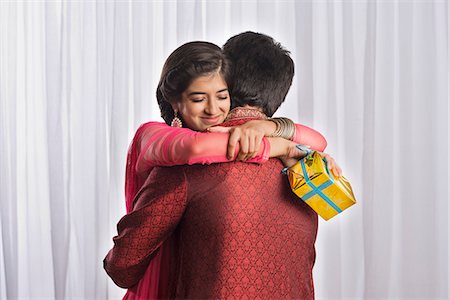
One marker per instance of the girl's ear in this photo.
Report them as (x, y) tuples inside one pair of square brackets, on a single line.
[(175, 107)]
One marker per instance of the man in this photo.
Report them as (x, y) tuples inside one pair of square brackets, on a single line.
[(238, 229)]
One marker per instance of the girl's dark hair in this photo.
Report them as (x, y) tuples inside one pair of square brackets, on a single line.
[(185, 64)]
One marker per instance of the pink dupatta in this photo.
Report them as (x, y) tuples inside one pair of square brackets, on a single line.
[(154, 284)]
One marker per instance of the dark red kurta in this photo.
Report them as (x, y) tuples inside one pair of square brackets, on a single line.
[(238, 228)]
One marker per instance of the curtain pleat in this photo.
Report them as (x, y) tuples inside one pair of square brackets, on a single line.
[(78, 78)]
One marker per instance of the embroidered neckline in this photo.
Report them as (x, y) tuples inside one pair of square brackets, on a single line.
[(245, 113)]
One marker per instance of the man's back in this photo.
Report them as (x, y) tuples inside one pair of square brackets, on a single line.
[(243, 233), (237, 231)]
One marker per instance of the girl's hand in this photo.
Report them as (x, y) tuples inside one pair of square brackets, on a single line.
[(332, 165), (292, 153), (249, 137)]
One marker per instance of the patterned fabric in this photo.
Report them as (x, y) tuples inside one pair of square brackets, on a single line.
[(245, 113), (240, 233), (252, 240)]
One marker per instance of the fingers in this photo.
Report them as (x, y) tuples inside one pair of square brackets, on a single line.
[(249, 141), (250, 151), (297, 153), (237, 136), (232, 140), (338, 172), (332, 165), (232, 143), (251, 148), (257, 146), (255, 139), (244, 144)]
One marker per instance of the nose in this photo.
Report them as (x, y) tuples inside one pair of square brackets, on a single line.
[(212, 108)]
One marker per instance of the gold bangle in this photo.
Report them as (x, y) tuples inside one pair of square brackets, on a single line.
[(285, 128)]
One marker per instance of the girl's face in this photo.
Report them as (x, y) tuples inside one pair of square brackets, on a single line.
[(204, 103)]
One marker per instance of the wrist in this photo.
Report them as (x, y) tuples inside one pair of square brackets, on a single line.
[(267, 127), (290, 149), (278, 147), (285, 128)]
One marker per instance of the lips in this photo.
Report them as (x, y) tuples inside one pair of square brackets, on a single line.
[(212, 120)]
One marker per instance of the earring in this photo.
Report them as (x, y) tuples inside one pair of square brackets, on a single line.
[(176, 122)]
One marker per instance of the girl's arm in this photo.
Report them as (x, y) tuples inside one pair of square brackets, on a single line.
[(162, 145), (303, 135), (157, 144)]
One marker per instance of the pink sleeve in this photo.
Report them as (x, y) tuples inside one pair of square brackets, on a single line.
[(307, 136), (162, 145)]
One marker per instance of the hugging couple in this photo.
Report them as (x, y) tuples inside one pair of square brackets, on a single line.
[(209, 213)]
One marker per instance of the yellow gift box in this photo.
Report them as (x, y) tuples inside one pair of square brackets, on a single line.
[(311, 180)]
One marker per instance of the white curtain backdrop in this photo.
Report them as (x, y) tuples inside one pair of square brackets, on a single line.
[(78, 77)]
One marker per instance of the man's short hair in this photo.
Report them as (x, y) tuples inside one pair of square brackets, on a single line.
[(261, 71)]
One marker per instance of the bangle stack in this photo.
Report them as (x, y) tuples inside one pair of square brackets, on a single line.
[(285, 128)]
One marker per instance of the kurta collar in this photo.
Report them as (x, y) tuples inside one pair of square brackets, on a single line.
[(245, 113)]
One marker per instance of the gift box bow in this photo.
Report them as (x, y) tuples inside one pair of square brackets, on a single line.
[(311, 180)]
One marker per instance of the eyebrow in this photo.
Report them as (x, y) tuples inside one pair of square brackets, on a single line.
[(203, 93)]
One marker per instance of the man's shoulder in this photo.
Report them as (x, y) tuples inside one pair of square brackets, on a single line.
[(169, 169), (161, 174), (272, 165)]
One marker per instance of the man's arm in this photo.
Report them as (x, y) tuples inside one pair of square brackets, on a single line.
[(158, 208)]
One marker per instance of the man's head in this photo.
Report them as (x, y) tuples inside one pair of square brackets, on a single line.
[(261, 71)]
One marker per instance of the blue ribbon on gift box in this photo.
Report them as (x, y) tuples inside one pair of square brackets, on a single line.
[(318, 189)]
